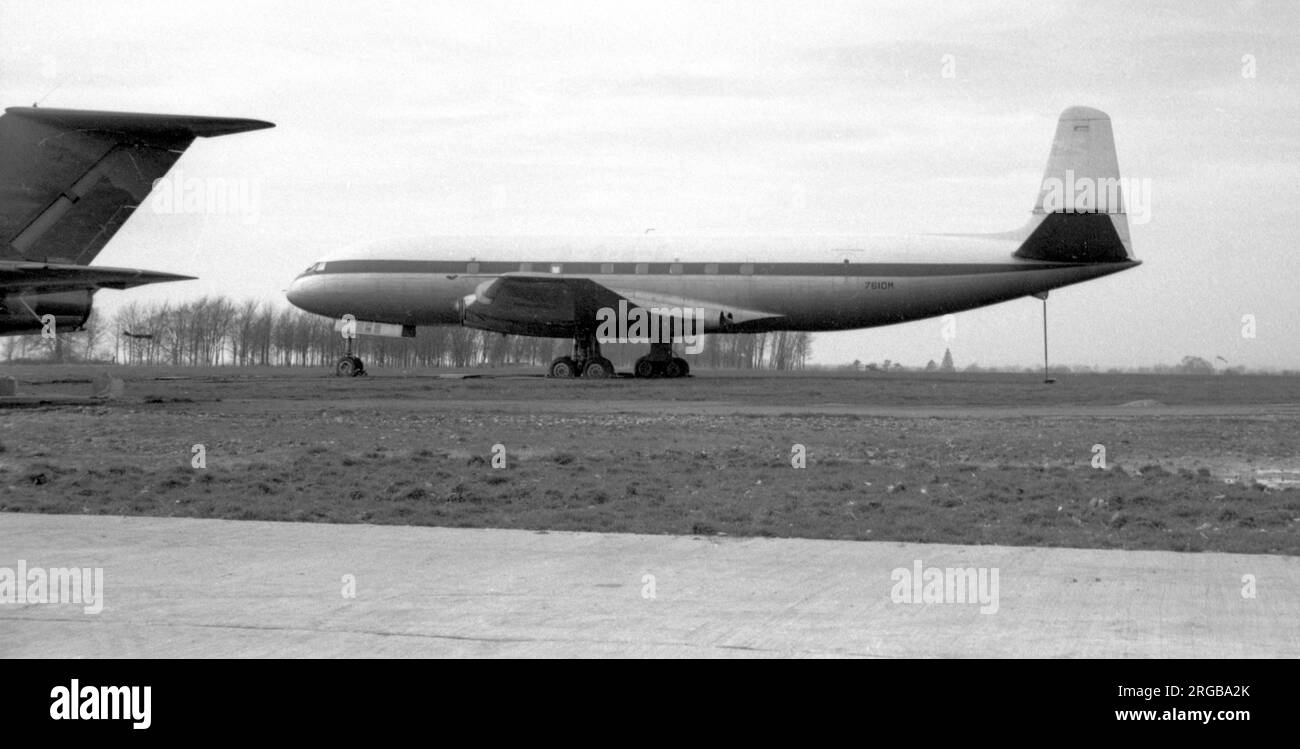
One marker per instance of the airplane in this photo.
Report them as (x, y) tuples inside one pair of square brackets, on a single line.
[(569, 287), (69, 179)]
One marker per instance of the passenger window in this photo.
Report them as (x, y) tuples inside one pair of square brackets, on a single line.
[(606, 267), (747, 269), (642, 268), (471, 268), (557, 268), (675, 269), (525, 267), (711, 269)]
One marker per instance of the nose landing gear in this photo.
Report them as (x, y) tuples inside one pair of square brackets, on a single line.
[(350, 365)]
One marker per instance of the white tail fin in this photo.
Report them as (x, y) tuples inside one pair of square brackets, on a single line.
[(1081, 187)]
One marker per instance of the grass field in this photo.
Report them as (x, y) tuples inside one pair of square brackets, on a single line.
[(955, 458)]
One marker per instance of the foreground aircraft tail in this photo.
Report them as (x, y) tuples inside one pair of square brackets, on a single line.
[(1079, 216), (69, 179)]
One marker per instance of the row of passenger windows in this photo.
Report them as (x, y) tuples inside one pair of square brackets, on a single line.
[(608, 268)]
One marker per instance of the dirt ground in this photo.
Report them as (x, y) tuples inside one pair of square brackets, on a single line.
[(1096, 461)]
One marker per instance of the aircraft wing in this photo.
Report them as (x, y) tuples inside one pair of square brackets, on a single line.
[(544, 304), (43, 278), (535, 304), (716, 315), (69, 179)]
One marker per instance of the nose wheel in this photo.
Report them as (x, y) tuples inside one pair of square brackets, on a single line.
[(350, 366)]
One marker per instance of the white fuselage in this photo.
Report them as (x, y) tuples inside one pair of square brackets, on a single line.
[(810, 283)]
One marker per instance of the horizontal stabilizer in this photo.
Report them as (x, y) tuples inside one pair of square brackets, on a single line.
[(150, 128), (45, 278)]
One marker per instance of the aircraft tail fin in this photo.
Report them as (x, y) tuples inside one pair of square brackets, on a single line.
[(69, 179), (1079, 216)]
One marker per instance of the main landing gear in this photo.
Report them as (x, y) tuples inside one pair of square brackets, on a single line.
[(585, 362), (660, 362)]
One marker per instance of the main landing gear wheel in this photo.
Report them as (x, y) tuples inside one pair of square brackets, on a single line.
[(563, 367), (661, 363), (350, 366), (599, 368)]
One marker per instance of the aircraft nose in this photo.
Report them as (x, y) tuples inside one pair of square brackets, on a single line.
[(301, 294)]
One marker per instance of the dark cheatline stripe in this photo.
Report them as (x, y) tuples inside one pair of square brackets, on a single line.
[(461, 267)]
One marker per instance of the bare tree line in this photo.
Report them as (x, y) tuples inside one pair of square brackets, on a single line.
[(219, 331)]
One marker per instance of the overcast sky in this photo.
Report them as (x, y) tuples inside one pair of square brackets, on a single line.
[(785, 118)]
